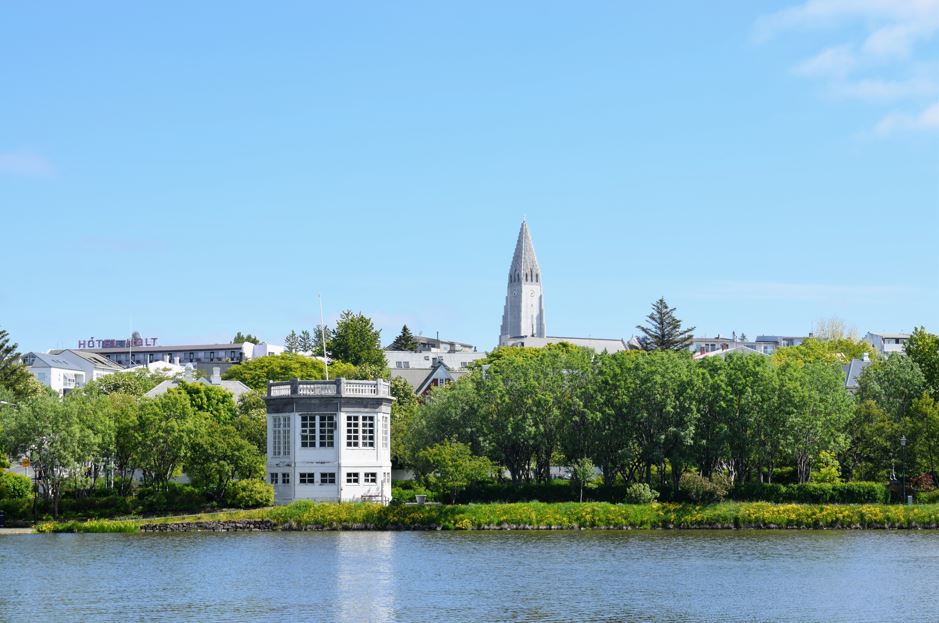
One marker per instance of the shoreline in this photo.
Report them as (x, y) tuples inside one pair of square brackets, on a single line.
[(533, 516)]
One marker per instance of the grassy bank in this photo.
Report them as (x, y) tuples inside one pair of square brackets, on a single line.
[(310, 516)]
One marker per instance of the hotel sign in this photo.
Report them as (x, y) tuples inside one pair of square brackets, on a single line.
[(133, 342)]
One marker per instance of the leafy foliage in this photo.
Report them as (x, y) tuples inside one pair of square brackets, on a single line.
[(640, 493), (449, 467), (284, 367), (13, 375), (356, 341), (250, 493)]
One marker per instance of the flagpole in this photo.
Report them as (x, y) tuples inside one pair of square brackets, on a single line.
[(323, 336)]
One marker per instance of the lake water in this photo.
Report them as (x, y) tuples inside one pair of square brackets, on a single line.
[(473, 576)]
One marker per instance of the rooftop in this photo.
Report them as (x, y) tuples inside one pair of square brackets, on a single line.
[(338, 387)]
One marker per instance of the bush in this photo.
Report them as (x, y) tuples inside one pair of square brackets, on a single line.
[(17, 508), (176, 497), (704, 490), (4, 462), (927, 497), (15, 486), (640, 493), (96, 506), (924, 482), (404, 494), (249, 493), (814, 493)]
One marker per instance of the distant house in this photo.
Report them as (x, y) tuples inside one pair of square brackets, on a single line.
[(425, 379), (235, 388), (739, 348), (768, 344), (853, 370), (53, 371), (597, 344), (887, 343)]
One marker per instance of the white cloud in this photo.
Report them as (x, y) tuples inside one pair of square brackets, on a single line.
[(25, 163), (880, 60), (838, 60), (874, 89), (816, 14), (926, 120)]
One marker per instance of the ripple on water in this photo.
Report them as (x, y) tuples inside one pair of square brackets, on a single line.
[(473, 576)]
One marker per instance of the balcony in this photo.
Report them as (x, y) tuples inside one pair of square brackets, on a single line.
[(338, 387)]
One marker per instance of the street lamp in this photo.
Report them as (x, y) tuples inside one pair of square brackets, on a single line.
[(903, 466)]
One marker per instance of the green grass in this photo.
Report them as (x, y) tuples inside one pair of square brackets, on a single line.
[(568, 515)]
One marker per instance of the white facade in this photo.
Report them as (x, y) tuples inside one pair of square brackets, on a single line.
[(55, 372), (887, 343), (329, 440), (523, 314), (405, 359)]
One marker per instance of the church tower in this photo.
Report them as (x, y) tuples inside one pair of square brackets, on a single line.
[(524, 300)]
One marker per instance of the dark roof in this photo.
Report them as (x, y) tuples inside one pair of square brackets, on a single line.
[(852, 371)]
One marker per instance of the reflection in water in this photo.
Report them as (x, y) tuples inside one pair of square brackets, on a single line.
[(365, 577), (474, 576)]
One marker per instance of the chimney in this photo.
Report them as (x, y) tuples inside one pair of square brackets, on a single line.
[(865, 357), (187, 373), (166, 358), (176, 360), (216, 376)]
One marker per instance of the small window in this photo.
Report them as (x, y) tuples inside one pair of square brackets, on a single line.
[(352, 431), (274, 478), (352, 478), (368, 431), (285, 478), (328, 478), (307, 478), (385, 431), (371, 478)]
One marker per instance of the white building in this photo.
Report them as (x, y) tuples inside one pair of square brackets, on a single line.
[(236, 388), (329, 440), (887, 343), (406, 359), (768, 344), (65, 370), (203, 356), (53, 371)]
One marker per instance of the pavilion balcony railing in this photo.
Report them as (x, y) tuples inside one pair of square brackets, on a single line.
[(339, 387)]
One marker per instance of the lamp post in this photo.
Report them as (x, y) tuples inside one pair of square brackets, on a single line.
[(903, 466)]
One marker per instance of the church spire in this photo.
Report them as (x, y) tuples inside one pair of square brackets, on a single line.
[(523, 314), (524, 262)]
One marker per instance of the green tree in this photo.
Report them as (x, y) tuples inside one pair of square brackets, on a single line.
[(218, 455), (292, 342), (818, 410), (50, 433), (449, 467), (925, 428), (402, 420), (241, 338), (582, 472), (664, 330), (355, 340), (305, 342), (663, 410), (923, 349), (835, 350), (13, 374), (132, 382), (404, 341), (165, 429), (210, 399), (893, 383), (251, 422)]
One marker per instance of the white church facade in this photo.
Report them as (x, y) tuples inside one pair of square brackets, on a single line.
[(329, 441)]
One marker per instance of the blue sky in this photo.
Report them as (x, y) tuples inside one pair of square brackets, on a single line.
[(192, 171)]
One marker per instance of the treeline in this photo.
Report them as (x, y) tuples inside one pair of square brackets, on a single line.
[(93, 442), (655, 416)]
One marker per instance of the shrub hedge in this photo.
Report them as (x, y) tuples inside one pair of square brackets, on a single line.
[(814, 493)]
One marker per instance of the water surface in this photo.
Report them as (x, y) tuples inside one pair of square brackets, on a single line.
[(473, 576)]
